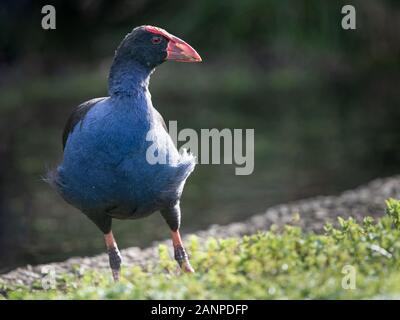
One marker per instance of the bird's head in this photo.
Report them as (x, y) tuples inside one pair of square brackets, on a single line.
[(150, 46)]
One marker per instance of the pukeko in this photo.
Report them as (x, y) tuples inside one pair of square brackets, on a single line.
[(105, 171)]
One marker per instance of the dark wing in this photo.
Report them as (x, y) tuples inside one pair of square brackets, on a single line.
[(76, 116)]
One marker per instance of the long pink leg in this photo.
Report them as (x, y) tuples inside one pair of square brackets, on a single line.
[(180, 253)]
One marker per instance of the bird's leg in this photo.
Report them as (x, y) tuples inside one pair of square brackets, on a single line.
[(114, 255), (180, 253)]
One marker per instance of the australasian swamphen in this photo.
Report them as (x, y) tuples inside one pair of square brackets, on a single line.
[(105, 172)]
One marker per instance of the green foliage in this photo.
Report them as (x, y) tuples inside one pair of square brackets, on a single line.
[(270, 265), (393, 210)]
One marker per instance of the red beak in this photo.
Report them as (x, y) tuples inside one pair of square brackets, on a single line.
[(177, 50)]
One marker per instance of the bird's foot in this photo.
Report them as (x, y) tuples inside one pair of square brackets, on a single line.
[(116, 275), (183, 259), (115, 262), (186, 267)]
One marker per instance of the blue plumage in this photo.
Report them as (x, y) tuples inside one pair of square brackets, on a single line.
[(105, 171), (105, 166)]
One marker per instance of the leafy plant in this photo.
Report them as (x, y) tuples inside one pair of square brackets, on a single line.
[(291, 264)]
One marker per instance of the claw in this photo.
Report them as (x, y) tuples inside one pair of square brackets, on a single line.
[(186, 267)]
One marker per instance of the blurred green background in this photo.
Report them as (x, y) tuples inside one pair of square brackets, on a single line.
[(324, 103)]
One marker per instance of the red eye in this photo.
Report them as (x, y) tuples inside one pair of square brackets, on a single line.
[(156, 40)]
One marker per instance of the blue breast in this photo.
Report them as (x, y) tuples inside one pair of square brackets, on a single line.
[(105, 165)]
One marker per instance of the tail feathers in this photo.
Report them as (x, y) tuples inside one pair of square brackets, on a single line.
[(52, 177), (187, 162), (173, 190)]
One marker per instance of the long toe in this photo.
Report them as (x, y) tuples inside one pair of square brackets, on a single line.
[(186, 267)]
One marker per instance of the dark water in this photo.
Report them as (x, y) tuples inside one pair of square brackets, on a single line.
[(313, 135)]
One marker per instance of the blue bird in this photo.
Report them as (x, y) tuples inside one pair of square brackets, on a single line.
[(107, 170)]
